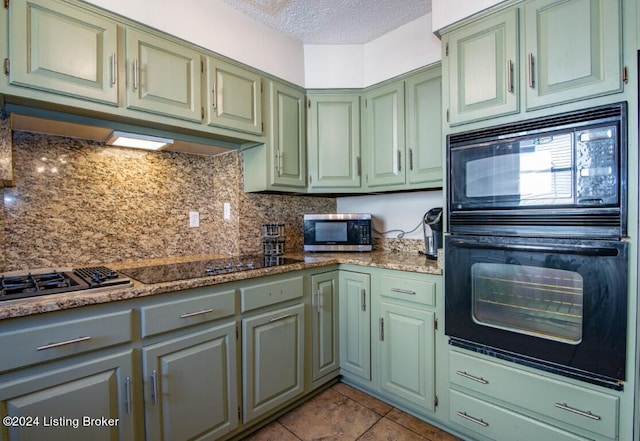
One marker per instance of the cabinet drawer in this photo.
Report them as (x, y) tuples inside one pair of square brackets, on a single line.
[(412, 290), (581, 407), (45, 341), (258, 296), (176, 314), (501, 424)]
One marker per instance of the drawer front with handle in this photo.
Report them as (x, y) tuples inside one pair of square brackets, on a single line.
[(176, 314), (581, 407), (266, 294), (498, 423), (47, 341), (409, 289)]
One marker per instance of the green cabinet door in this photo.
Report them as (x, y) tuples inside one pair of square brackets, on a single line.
[(355, 324), (287, 136), (64, 49), (424, 129), (272, 360), (61, 398), (234, 97), (407, 354), (573, 50), (324, 322), (481, 64), (163, 76), (334, 141), (190, 385), (384, 139)]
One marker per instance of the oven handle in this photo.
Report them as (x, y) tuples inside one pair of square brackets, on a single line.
[(563, 249)]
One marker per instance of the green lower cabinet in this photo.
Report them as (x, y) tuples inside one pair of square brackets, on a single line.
[(407, 354), (324, 323), (272, 360), (355, 324), (82, 400), (190, 385), (498, 423)]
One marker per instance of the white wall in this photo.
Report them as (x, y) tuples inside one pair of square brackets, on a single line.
[(447, 12), (216, 26), (356, 66), (403, 211)]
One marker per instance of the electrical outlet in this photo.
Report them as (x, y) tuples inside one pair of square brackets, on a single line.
[(226, 208), (194, 219)]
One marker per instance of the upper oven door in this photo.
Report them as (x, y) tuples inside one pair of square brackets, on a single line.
[(563, 168), (558, 301)]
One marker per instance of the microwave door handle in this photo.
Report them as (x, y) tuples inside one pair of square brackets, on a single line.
[(561, 249)]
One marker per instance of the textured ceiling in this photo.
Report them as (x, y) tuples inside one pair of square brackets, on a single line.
[(333, 21)]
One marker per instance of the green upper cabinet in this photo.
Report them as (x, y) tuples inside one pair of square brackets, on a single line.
[(573, 50), (384, 135), (334, 142), (59, 48), (481, 61), (163, 76), (287, 135), (280, 164), (234, 97), (424, 129)]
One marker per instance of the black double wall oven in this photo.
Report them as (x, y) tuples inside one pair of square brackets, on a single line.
[(536, 257)]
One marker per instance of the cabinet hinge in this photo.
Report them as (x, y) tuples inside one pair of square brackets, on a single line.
[(237, 332), (435, 401), (435, 324), (447, 115), (625, 75), (446, 49), (7, 66)]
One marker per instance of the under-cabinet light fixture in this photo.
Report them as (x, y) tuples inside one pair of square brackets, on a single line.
[(138, 141)]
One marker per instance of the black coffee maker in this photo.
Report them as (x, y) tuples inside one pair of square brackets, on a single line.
[(432, 241)]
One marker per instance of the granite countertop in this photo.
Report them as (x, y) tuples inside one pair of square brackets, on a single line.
[(412, 262)]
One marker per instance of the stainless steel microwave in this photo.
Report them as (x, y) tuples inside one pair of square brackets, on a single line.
[(337, 232)]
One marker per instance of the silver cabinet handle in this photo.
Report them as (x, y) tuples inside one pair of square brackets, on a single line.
[(532, 82), (62, 343), (568, 408), (318, 300), (472, 419), (127, 388), (403, 291), (280, 317), (154, 387), (114, 66), (472, 377), (135, 74), (399, 160), (510, 76), (277, 164), (363, 294), (381, 328), (214, 104), (193, 314), (280, 163)]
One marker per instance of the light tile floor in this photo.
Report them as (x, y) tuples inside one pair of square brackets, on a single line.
[(342, 413)]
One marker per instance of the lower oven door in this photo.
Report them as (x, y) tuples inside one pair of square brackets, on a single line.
[(557, 304)]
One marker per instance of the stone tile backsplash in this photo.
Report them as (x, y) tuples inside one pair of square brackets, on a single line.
[(80, 202)]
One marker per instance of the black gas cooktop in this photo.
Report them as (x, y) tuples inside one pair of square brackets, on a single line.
[(44, 281), (203, 268)]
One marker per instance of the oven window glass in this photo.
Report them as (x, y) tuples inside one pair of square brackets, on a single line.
[(530, 171), (543, 302), (331, 231)]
